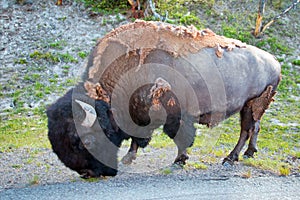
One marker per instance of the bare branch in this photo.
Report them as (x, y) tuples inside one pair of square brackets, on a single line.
[(151, 8), (259, 29), (261, 10), (280, 15)]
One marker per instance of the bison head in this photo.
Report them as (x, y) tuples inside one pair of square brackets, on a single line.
[(82, 144)]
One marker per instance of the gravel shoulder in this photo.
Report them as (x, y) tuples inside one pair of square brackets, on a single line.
[(32, 26), (169, 187)]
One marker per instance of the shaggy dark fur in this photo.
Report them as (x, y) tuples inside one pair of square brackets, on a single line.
[(67, 144)]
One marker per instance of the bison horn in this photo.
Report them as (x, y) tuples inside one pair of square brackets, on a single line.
[(90, 114)]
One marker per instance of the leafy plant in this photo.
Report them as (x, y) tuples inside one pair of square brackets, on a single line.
[(35, 180), (296, 62)]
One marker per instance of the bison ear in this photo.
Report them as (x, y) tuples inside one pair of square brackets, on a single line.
[(90, 114)]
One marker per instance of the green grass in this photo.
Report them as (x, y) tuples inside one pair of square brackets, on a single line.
[(284, 170), (195, 165), (161, 140), (21, 61), (58, 44), (269, 164), (53, 57), (166, 171), (296, 62), (106, 6), (16, 166), (82, 54), (177, 12), (21, 131), (92, 180)]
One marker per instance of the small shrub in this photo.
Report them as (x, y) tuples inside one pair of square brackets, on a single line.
[(284, 170), (106, 6), (296, 62), (82, 54), (21, 61)]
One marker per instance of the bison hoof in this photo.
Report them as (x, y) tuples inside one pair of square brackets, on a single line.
[(249, 153), (227, 162), (128, 158), (246, 156), (181, 160)]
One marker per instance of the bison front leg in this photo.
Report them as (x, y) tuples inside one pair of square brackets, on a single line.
[(134, 146), (131, 154), (248, 130), (182, 131)]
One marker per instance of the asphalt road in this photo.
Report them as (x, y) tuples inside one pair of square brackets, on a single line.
[(165, 187)]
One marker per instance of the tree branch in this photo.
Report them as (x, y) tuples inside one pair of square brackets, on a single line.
[(259, 29), (261, 10), (280, 15)]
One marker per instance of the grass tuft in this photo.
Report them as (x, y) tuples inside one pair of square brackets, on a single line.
[(35, 180), (284, 170), (196, 165), (247, 174), (166, 171)]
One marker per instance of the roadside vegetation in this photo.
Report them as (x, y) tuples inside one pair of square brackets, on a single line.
[(25, 126)]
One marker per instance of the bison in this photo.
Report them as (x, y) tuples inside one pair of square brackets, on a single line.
[(146, 74)]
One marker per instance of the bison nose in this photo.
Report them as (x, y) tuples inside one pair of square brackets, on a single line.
[(110, 172), (87, 173)]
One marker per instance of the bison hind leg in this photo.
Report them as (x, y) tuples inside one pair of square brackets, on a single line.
[(250, 124), (249, 153), (248, 130)]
